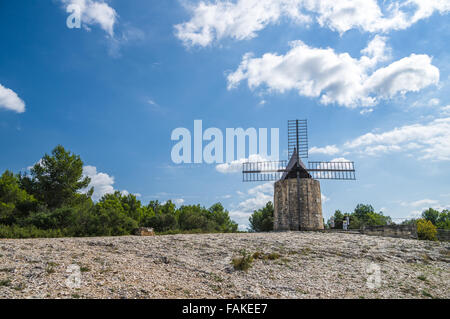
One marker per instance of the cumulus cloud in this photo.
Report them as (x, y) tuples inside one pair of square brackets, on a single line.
[(336, 77), (445, 110), (102, 182), (421, 205), (178, 201), (327, 150), (243, 19), (10, 100), (236, 166), (429, 140), (95, 12), (255, 198), (409, 74), (434, 102)]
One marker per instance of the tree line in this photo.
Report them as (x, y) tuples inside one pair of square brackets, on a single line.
[(54, 200), (363, 215)]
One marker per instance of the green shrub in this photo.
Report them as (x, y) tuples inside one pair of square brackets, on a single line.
[(273, 256), (244, 262), (15, 231), (426, 230)]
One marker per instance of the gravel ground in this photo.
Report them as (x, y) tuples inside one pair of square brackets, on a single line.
[(311, 265)]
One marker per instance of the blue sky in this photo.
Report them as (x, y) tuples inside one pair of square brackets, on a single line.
[(372, 78)]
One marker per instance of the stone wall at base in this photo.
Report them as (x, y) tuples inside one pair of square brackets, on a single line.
[(443, 234), (399, 231), (286, 212)]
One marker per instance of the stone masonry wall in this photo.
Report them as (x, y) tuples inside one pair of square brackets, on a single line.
[(443, 234), (400, 231), (286, 214)]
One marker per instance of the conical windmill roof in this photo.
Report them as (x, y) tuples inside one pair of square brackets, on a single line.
[(295, 163)]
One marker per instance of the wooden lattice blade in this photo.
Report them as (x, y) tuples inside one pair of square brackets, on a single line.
[(332, 170)]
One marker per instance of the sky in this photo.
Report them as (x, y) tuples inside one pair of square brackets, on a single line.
[(371, 77)]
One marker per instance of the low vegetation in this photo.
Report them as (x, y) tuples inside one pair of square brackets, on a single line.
[(244, 262), (54, 200)]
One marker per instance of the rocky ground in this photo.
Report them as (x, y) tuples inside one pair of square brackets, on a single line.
[(309, 265)]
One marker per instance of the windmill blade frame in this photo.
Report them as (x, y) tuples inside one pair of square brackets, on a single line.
[(263, 171), (332, 170), (298, 138)]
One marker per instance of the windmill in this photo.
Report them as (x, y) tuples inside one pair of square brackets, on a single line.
[(297, 196)]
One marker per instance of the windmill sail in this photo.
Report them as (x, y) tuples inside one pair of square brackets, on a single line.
[(263, 171), (297, 149), (332, 170), (298, 138)]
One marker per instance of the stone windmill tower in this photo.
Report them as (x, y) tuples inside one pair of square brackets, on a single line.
[(297, 196)]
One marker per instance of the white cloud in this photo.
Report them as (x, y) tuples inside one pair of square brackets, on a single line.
[(266, 188), (434, 102), (102, 182), (10, 100), (178, 201), (327, 150), (420, 206), (422, 203), (257, 197), (445, 110), (236, 166), (243, 227), (409, 74), (126, 193), (366, 111), (95, 12), (430, 140), (336, 77), (259, 200), (324, 198), (242, 19)]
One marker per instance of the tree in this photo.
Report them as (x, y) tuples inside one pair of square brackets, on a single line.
[(443, 220), (338, 219), (431, 214), (366, 215), (131, 205), (262, 219), (57, 179), (15, 203), (426, 230), (111, 219), (221, 218)]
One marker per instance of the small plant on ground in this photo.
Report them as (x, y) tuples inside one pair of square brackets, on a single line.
[(258, 255), (422, 277), (49, 269), (244, 262), (306, 251), (273, 256), (5, 282), (84, 269)]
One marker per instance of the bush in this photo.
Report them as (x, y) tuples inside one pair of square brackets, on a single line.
[(15, 231), (426, 230), (244, 262)]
